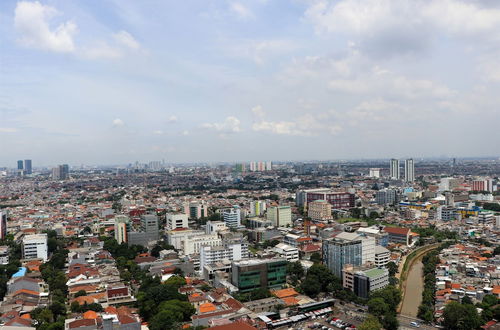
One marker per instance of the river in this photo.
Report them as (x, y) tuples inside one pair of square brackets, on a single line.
[(414, 288)]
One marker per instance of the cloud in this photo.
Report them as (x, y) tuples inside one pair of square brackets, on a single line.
[(158, 132), (240, 10), (8, 130), (101, 50), (185, 133), (172, 119), (118, 122), (229, 125), (259, 51), (32, 24), (305, 125), (386, 27), (126, 39)]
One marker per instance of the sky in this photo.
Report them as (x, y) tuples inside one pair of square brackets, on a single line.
[(119, 81)]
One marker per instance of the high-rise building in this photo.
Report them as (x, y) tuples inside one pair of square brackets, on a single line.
[(122, 227), (232, 216), (257, 208), (60, 172), (280, 216), (338, 252), (253, 274), (409, 170), (260, 166), (3, 224), (482, 185), (27, 167), (20, 167), (394, 171), (374, 173), (35, 247)]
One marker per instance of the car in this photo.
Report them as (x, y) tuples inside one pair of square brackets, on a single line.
[(415, 324)]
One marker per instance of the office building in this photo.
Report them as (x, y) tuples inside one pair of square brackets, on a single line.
[(374, 173), (213, 254), (409, 170), (177, 220), (35, 247), (232, 217), (339, 252), (213, 227), (3, 224), (399, 235), (196, 209), (248, 275), (28, 167), (449, 184), (387, 197), (60, 172), (257, 208), (20, 166), (482, 185), (382, 256), (363, 280), (320, 210), (148, 234), (280, 216), (288, 252), (122, 227), (394, 171), (338, 200)]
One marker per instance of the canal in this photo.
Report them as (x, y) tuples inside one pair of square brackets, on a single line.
[(414, 288)]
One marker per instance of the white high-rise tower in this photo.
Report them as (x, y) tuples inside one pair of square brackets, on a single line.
[(409, 170), (394, 170)]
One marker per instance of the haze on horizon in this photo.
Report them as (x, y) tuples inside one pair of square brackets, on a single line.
[(110, 82)]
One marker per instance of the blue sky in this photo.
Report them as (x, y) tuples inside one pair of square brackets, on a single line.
[(114, 81)]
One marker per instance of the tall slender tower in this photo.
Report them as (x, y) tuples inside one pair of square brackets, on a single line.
[(409, 170), (394, 170)]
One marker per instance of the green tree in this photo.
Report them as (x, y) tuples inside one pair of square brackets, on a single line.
[(370, 323), (315, 257), (390, 321), (80, 293), (461, 317), (392, 268), (377, 307)]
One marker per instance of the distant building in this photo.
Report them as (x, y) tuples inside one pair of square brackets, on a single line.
[(177, 220), (213, 254), (248, 275), (260, 166), (213, 227), (3, 224), (387, 197), (232, 217), (280, 216), (409, 170), (394, 170), (28, 167), (338, 200), (35, 247), (320, 210), (149, 231), (196, 210), (482, 185), (60, 172), (257, 208), (20, 166), (374, 173), (290, 253)]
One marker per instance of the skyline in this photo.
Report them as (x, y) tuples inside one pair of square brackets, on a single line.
[(111, 82)]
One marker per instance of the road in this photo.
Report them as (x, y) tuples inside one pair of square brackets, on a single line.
[(404, 323)]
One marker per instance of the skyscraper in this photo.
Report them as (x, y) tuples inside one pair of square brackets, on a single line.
[(27, 166), (20, 165), (394, 170), (61, 172), (409, 170), (339, 252)]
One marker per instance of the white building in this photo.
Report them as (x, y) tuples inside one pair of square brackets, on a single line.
[(232, 216), (394, 169), (290, 253), (215, 227), (213, 254), (35, 247), (367, 245), (409, 170), (280, 216), (374, 173), (382, 256), (4, 255), (177, 220), (257, 208)]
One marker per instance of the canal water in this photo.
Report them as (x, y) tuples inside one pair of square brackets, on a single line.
[(414, 288)]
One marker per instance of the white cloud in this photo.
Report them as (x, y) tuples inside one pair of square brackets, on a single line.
[(101, 50), (126, 39), (240, 10), (259, 51), (158, 132), (118, 122), (185, 133), (230, 125), (32, 23), (8, 130), (172, 119), (258, 111)]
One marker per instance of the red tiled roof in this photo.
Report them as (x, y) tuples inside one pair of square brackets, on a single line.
[(397, 230)]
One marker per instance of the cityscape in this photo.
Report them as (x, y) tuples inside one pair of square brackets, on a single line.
[(249, 165)]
